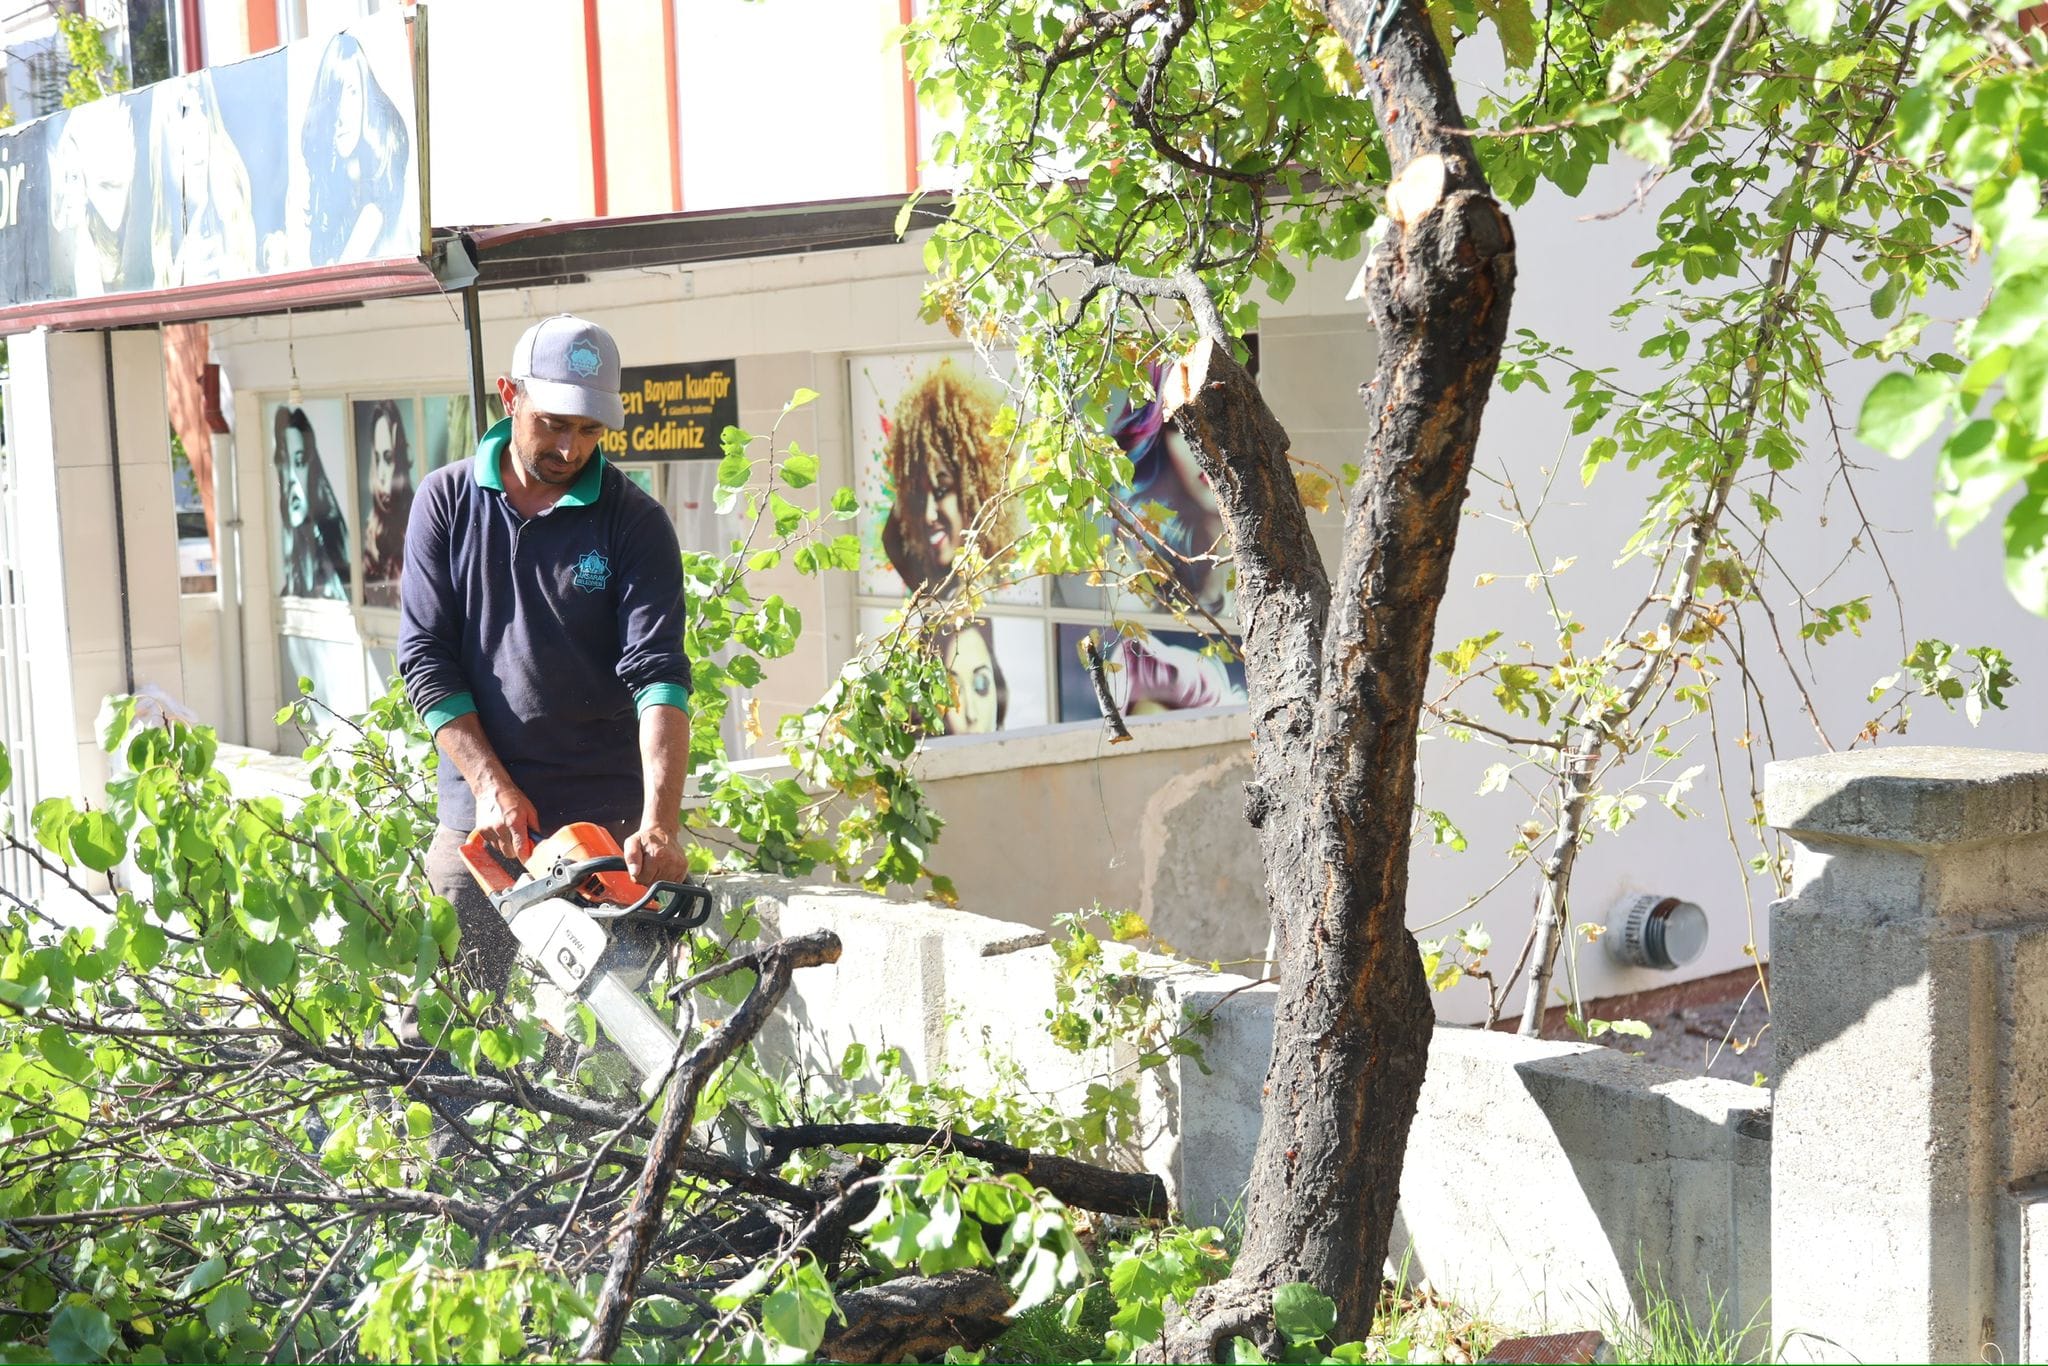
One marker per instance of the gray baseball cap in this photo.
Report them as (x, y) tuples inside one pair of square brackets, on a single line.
[(570, 367)]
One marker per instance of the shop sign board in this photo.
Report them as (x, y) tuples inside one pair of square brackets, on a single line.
[(674, 412), (305, 157)]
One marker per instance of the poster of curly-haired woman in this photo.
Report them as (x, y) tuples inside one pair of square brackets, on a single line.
[(928, 466), (312, 521)]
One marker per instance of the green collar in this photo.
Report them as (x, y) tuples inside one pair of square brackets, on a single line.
[(581, 494)]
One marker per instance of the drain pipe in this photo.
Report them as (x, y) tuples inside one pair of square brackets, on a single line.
[(120, 515)]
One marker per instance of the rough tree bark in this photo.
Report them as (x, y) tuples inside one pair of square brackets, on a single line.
[(1336, 680)]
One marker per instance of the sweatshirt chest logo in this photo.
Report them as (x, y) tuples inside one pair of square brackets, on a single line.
[(593, 572)]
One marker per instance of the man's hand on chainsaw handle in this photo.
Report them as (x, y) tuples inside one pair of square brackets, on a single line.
[(504, 816), (655, 854), (506, 819)]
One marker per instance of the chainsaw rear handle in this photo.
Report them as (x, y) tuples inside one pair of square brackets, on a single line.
[(483, 865)]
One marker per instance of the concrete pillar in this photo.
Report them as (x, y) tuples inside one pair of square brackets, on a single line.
[(1909, 975), (72, 544)]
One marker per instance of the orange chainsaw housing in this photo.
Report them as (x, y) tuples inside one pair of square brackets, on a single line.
[(573, 843)]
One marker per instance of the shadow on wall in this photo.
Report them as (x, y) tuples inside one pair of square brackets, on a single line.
[(1545, 1180), (1912, 1046), (1045, 823), (1677, 1180)]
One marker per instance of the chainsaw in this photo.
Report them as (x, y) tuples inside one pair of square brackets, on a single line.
[(564, 906)]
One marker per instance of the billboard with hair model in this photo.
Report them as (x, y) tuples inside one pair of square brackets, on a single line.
[(302, 158)]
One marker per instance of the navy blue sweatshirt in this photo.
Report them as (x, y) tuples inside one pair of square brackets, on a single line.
[(557, 631)]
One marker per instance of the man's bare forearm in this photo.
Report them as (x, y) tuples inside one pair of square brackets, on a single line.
[(665, 764), (463, 742)]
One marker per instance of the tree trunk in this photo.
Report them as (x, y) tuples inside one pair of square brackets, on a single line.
[(1337, 689)]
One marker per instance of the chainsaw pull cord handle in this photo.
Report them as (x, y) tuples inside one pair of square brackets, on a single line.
[(483, 865)]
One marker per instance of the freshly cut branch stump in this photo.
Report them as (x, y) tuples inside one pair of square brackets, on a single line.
[(916, 1318)]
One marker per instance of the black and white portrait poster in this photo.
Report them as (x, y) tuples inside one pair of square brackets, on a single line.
[(352, 193), (386, 469), (98, 181), (299, 158), (312, 520)]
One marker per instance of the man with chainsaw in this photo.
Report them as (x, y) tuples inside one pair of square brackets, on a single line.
[(541, 636)]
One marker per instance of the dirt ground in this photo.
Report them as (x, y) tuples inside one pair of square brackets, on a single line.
[(1728, 1038)]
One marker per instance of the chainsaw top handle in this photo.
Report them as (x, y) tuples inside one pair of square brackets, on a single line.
[(676, 905)]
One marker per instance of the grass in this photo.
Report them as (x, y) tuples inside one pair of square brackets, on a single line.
[(1038, 1338), (1666, 1331), (1411, 1325)]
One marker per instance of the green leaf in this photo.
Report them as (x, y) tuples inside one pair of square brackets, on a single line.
[(204, 1276), (2015, 313), (903, 214), (98, 841), (854, 1062), (735, 468), (228, 1308), (62, 1054), (270, 965), (1514, 21), (798, 1310), (1812, 20), (79, 1332), (2026, 549), (1648, 140), (146, 945), (117, 713), (800, 470), (799, 399), (743, 1289), (1903, 410), (1303, 1313), (51, 821), (1921, 110), (788, 516)]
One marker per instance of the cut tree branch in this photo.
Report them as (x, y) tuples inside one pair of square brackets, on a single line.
[(634, 1241), (1082, 1184)]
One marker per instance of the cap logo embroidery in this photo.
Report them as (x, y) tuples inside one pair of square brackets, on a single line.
[(584, 360), (593, 572)]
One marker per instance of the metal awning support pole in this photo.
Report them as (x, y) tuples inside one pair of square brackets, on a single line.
[(473, 328), (454, 261), (120, 513)]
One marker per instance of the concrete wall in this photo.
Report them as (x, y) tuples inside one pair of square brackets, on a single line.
[(1043, 822), (92, 631), (1912, 1028), (1540, 1176)]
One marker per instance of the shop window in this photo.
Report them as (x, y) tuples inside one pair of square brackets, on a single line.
[(152, 50), (197, 572), (343, 472), (298, 19), (926, 469)]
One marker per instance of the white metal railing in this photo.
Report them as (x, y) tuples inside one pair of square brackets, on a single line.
[(19, 873)]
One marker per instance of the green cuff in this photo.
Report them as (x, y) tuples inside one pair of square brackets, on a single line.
[(662, 695), (447, 709)]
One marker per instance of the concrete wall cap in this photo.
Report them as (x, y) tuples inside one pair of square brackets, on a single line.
[(1912, 795)]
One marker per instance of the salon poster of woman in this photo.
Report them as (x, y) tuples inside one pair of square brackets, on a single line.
[(926, 461), (300, 158)]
